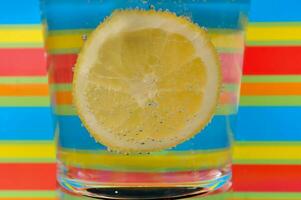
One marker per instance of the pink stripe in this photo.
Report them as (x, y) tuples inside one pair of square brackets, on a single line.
[(231, 67), (137, 177)]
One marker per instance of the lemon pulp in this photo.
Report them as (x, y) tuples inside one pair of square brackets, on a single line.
[(146, 81)]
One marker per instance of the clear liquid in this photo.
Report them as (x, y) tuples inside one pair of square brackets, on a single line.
[(198, 166)]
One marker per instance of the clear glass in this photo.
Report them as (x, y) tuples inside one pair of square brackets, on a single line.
[(199, 166)]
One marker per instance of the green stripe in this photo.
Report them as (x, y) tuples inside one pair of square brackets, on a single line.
[(271, 143), (274, 43), (65, 196), (88, 31), (273, 24), (68, 87), (230, 87), (224, 196), (230, 50), (66, 110), (27, 194), (25, 101), (19, 45), (221, 196), (270, 100), (272, 78), (77, 50), (22, 26), (29, 142), (269, 195), (64, 51), (226, 110), (27, 160), (211, 197), (224, 31), (61, 87), (70, 32), (23, 79)]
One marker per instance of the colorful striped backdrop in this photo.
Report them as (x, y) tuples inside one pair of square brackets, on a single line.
[(267, 162), (27, 152)]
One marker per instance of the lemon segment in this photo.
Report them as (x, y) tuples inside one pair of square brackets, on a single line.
[(146, 81)]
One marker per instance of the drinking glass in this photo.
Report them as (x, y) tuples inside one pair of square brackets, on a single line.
[(163, 148)]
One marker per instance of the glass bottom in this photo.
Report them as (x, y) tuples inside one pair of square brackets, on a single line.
[(220, 181)]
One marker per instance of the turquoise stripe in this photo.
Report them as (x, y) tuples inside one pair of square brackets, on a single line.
[(275, 11), (26, 123), (261, 123), (211, 14), (214, 136), (20, 12)]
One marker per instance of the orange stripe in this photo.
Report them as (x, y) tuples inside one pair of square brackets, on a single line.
[(270, 89), (227, 98), (24, 90), (66, 98), (63, 98)]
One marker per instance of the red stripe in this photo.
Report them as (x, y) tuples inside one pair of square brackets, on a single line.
[(246, 178), (22, 62), (267, 178), (62, 67), (272, 60), (27, 176)]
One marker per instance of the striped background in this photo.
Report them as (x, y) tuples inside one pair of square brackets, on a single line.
[(268, 135), (27, 152)]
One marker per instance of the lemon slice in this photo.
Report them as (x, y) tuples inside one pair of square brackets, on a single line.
[(146, 81)]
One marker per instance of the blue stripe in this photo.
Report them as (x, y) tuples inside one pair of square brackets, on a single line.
[(269, 124), (275, 10), (26, 123), (74, 135), (20, 12), (68, 14)]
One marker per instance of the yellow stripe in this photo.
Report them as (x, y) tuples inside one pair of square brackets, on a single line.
[(156, 162), (225, 40), (265, 151), (34, 35), (234, 40), (68, 41), (23, 150), (242, 151), (276, 33)]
